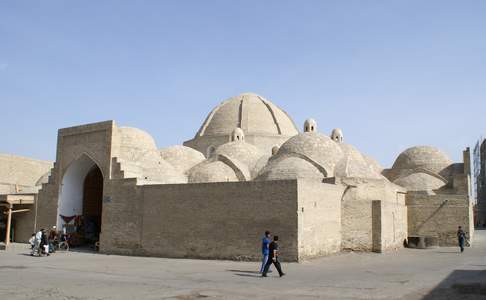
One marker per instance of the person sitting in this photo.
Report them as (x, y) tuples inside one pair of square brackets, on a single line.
[(32, 241), (53, 240), (45, 243), (37, 244)]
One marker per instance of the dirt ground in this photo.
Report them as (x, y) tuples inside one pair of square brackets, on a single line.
[(441, 273)]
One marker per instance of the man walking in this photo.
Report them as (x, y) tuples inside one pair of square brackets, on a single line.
[(265, 250), (273, 258), (461, 238)]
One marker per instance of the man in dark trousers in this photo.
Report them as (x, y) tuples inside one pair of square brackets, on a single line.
[(274, 253), (461, 238), (265, 250)]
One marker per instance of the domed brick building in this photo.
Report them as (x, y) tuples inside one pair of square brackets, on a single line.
[(248, 169)]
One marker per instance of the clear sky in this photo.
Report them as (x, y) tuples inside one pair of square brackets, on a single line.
[(391, 74)]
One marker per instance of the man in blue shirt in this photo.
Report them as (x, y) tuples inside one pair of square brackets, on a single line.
[(265, 250)]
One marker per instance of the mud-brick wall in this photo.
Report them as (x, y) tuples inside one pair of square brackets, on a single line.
[(357, 216), (205, 220), (439, 216), (319, 218), (394, 223), (219, 220), (121, 224), (389, 224)]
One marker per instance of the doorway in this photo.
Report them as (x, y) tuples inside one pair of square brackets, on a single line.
[(80, 202), (92, 205)]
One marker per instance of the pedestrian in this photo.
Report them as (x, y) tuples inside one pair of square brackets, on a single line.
[(461, 238), (52, 239), (37, 244), (265, 250), (274, 253), (45, 242), (32, 241)]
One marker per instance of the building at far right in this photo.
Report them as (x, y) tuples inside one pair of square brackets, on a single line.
[(480, 182), (438, 193)]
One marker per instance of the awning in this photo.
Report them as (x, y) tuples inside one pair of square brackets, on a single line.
[(6, 200)]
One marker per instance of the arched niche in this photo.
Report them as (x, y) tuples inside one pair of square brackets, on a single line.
[(80, 195)]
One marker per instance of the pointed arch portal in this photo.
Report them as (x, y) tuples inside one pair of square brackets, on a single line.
[(80, 201)]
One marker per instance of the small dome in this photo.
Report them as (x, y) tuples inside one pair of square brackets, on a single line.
[(139, 158), (353, 164), (260, 164), (252, 113), (422, 157), (241, 151), (290, 168), (374, 164), (43, 179), (310, 125), (181, 157), (317, 147), (337, 135), (137, 146), (136, 138), (420, 182), (162, 172), (212, 171), (149, 166), (238, 135)]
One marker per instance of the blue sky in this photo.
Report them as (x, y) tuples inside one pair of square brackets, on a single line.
[(391, 74)]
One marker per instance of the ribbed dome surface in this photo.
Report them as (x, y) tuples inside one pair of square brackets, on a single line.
[(420, 182), (424, 157), (243, 152), (373, 163), (211, 171), (250, 112), (181, 157), (140, 158), (318, 147), (290, 168), (136, 138), (353, 164)]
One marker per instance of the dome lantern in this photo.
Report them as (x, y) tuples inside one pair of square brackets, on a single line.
[(337, 135), (237, 135), (310, 125)]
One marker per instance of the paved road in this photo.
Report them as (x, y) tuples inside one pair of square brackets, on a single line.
[(441, 273)]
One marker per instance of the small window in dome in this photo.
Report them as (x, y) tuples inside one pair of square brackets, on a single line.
[(210, 151)]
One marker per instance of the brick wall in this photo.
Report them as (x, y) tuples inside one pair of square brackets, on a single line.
[(357, 215), (207, 220), (319, 218), (439, 216)]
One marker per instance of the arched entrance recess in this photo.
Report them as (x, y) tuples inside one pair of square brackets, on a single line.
[(80, 201)]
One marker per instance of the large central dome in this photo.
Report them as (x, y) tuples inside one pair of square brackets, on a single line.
[(264, 124), (250, 112)]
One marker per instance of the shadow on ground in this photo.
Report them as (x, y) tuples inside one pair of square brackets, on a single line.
[(246, 273), (461, 284), (243, 271)]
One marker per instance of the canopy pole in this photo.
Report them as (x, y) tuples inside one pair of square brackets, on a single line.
[(9, 223)]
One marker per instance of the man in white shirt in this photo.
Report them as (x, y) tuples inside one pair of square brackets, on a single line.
[(37, 240)]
